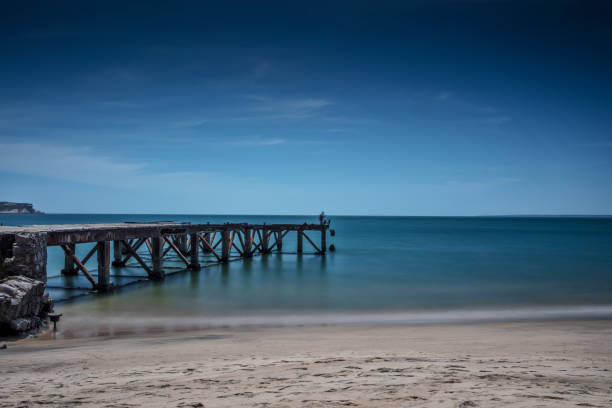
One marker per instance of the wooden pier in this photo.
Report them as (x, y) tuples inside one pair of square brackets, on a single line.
[(23, 249)]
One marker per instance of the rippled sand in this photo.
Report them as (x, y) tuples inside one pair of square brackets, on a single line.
[(553, 364)]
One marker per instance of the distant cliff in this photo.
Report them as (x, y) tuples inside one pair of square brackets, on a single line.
[(17, 208)]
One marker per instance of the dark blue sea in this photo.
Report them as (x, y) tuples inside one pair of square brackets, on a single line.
[(384, 269)]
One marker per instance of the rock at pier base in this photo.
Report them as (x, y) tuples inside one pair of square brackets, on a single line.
[(29, 256), (23, 324), (23, 304)]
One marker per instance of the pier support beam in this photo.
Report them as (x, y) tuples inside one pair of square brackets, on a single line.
[(104, 251), (225, 245), (156, 255), (323, 241), (181, 243), (207, 239), (300, 239), (69, 267), (265, 241), (195, 262), (279, 240), (117, 253), (248, 242)]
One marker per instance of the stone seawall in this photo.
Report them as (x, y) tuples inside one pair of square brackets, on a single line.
[(23, 276), (27, 256)]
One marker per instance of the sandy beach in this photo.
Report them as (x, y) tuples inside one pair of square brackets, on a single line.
[(535, 364)]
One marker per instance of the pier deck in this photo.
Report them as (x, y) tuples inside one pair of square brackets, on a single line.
[(23, 248)]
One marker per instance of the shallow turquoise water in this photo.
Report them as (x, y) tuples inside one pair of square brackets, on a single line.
[(383, 265)]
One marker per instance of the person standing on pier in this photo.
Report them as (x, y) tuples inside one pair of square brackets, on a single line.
[(322, 217)]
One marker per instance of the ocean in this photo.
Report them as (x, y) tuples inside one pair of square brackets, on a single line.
[(384, 270)]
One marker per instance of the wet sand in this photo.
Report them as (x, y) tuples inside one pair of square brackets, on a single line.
[(535, 364)]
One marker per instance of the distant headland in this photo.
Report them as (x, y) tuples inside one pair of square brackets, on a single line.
[(7, 207)]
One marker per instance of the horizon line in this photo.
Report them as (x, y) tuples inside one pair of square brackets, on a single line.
[(316, 215)]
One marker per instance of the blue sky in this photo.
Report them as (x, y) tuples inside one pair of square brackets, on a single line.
[(388, 108)]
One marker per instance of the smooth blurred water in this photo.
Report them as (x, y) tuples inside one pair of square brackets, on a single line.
[(382, 265)]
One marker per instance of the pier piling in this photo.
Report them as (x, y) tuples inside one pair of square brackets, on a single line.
[(156, 257), (69, 265), (104, 282), (323, 241), (117, 253), (300, 241), (225, 245), (279, 241), (194, 246), (248, 242), (265, 240)]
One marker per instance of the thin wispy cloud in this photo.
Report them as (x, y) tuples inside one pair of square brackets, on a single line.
[(258, 108), (86, 165), (267, 142), (497, 120), (259, 142), (485, 109), (468, 185), (596, 144), (483, 114), (260, 69), (348, 120), (191, 123), (123, 105), (444, 95), (288, 108), (51, 34), (61, 162), (338, 130), (120, 74), (487, 183)]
